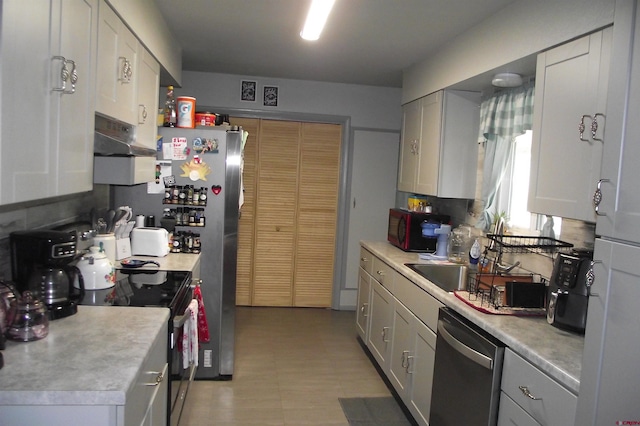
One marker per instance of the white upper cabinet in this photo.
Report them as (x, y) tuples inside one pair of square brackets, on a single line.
[(570, 119), (117, 78), (619, 208), (48, 95), (439, 150), (148, 87)]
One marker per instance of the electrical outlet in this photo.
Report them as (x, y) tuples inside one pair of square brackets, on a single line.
[(207, 358)]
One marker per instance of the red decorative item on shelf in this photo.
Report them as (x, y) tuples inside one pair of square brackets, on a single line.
[(203, 326)]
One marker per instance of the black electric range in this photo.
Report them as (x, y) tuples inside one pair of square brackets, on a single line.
[(153, 288), (147, 288)]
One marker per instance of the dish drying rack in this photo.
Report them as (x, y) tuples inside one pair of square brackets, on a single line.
[(487, 287)]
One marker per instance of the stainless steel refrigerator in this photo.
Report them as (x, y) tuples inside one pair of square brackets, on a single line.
[(217, 151)]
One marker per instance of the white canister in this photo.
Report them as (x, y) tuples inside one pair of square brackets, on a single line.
[(140, 221), (186, 109), (108, 242)]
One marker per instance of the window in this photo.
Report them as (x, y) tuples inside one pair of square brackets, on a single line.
[(514, 189)]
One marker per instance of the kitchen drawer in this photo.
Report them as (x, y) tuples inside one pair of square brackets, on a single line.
[(555, 405), (422, 304), (383, 273), (511, 414), (366, 260)]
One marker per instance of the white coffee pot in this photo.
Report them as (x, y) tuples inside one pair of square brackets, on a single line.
[(96, 269)]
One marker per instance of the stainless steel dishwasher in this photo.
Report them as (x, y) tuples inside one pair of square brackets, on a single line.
[(467, 372)]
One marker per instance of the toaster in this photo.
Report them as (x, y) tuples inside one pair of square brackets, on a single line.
[(149, 242)]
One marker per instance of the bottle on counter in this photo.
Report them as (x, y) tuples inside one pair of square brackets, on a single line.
[(170, 117)]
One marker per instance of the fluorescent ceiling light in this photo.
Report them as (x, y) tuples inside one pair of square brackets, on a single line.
[(316, 18)]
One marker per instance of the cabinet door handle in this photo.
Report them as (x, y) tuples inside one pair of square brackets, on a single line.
[(73, 77), (590, 278), (364, 259), (158, 379), (407, 369), (404, 362), (527, 393), (594, 126), (597, 197), (581, 127), (143, 113), (384, 334), (364, 310), (64, 74), (126, 72)]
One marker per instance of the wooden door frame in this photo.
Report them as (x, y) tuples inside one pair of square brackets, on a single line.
[(346, 152)]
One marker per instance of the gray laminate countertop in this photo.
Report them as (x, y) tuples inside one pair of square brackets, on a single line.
[(90, 358), (556, 352)]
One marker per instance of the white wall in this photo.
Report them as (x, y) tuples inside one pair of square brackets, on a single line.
[(368, 106), (519, 30)]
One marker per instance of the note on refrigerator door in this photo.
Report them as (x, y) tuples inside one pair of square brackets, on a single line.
[(163, 168)]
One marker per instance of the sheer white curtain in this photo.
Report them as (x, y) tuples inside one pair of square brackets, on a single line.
[(503, 117)]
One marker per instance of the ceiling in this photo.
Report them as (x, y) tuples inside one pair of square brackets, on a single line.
[(365, 42)]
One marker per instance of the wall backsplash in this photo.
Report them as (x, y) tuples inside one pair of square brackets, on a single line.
[(44, 214)]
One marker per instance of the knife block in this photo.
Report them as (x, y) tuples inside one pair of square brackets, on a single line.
[(123, 248)]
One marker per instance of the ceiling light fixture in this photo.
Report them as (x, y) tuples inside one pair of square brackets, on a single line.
[(316, 18), (507, 79)]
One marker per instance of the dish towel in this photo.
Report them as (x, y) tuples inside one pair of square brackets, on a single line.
[(203, 326), (190, 336)]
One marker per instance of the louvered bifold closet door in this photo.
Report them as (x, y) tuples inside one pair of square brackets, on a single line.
[(318, 180), (246, 222), (277, 181)]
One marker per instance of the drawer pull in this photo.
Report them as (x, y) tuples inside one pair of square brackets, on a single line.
[(159, 378), (364, 259), (525, 391)]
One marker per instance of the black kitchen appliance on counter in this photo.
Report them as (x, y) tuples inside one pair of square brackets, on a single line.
[(40, 263), (154, 288), (404, 230), (569, 291)]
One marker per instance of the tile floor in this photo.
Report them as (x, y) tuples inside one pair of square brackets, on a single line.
[(291, 366)]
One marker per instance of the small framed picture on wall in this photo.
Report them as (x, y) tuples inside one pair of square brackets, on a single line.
[(248, 91), (270, 96)]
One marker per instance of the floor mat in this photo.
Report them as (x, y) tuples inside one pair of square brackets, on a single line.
[(380, 411)]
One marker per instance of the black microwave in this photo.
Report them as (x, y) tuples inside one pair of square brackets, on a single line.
[(405, 230)]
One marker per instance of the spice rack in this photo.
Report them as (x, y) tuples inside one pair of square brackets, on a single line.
[(184, 207)]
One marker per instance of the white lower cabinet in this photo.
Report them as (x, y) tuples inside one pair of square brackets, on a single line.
[(362, 311), (538, 399), (411, 361), (396, 320), (381, 322)]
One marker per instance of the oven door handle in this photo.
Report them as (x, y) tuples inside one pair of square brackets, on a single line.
[(463, 349), (179, 320)]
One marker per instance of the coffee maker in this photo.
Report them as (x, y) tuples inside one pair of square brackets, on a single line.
[(568, 291), (40, 263)]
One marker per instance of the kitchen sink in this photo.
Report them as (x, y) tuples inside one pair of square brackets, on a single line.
[(447, 277)]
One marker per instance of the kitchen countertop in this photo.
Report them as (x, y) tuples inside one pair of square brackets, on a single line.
[(90, 358), (170, 262), (556, 352)]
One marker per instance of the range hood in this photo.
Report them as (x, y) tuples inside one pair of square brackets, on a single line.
[(117, 138), (117, 159)]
